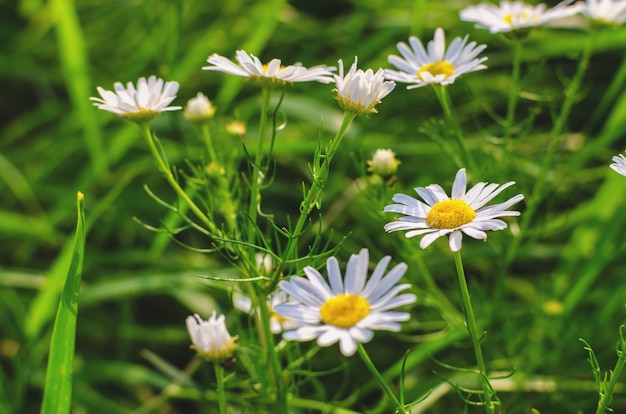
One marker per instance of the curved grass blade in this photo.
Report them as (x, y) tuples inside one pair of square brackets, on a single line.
[(57, 397)]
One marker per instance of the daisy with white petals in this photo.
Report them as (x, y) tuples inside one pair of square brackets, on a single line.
[(513, 16), (360, 91), (210, 338), (606, 12), (139, 104), (619, 164), (348, 310), (277, 322), (434, 64), (199, 109), (270, 74), (440, 215)]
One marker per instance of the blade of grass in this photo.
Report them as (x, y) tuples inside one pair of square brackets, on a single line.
[(57, 396), (73, 56)]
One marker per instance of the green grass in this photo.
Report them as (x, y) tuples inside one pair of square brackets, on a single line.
[(563, 278)]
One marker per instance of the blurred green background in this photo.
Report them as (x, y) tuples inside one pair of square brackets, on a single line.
[(566, 281)]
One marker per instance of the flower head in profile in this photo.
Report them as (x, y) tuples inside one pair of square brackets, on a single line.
[(383, 163), (440, 215), (360, 91), (199, 109), (605, 12), (272, 74), (210, 338), (140, 104), (345, 309), (516, 17), (619, 164), (420, 66)]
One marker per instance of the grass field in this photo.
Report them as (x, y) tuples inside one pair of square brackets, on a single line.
[(552, 277)]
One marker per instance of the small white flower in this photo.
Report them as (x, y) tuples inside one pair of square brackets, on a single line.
[(199, 109), (434, 64), (513, 16), (210, 338), (464, 212), (619, 164), (277, 322), (609, 12), (139, 104), (270, 74), (358, 91), (348, 310), (383, 163)]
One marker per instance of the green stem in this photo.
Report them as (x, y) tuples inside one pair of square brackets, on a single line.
[(448, 109), (515, 91), (571, 93), (320, 176), (607, 397), (474, 334), (379, 378), (221, 394), (257, 169), (169, 176), (208, 141)]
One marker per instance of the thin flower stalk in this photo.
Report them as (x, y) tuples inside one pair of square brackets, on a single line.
[(606, 397), (380, 380), (221, 393), (169, 176), (450, 114), (515, 90), (472, 327)]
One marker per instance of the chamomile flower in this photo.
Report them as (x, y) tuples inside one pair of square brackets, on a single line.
[(605, 12), (140, 104), (619, 164), (383, 163), (199, 109), (360, 91), (272, 74), (440, 215), (516, 16), (420, 66), (349, 309), (210, 338), (277, 322)]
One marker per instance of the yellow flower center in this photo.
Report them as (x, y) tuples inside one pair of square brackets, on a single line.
[(444, 68), (508, 18), (450, 214), (344, 311), (265, 66)]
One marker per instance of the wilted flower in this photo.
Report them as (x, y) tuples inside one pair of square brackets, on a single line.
[(236, 128), (358, 91), (210, 338), (464, 212), (619, 164), (383, 163), (139, 104), (348, 310), (516, 16), (199, 109), (420, 66), (270, 74)]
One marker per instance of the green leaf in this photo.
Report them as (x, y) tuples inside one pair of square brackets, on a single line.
[(57, 397)]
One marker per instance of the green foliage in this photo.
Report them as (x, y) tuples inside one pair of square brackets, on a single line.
[(554, 276)]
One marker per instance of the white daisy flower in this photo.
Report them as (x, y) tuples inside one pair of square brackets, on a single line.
[(270, 74), (383, 163), (277, 322), (619, 164), (440, 215), (199, 109), (139, 104), (609, 12), (348, 310), (434, 64), (513, 16), (210, 338), (358, 91)]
